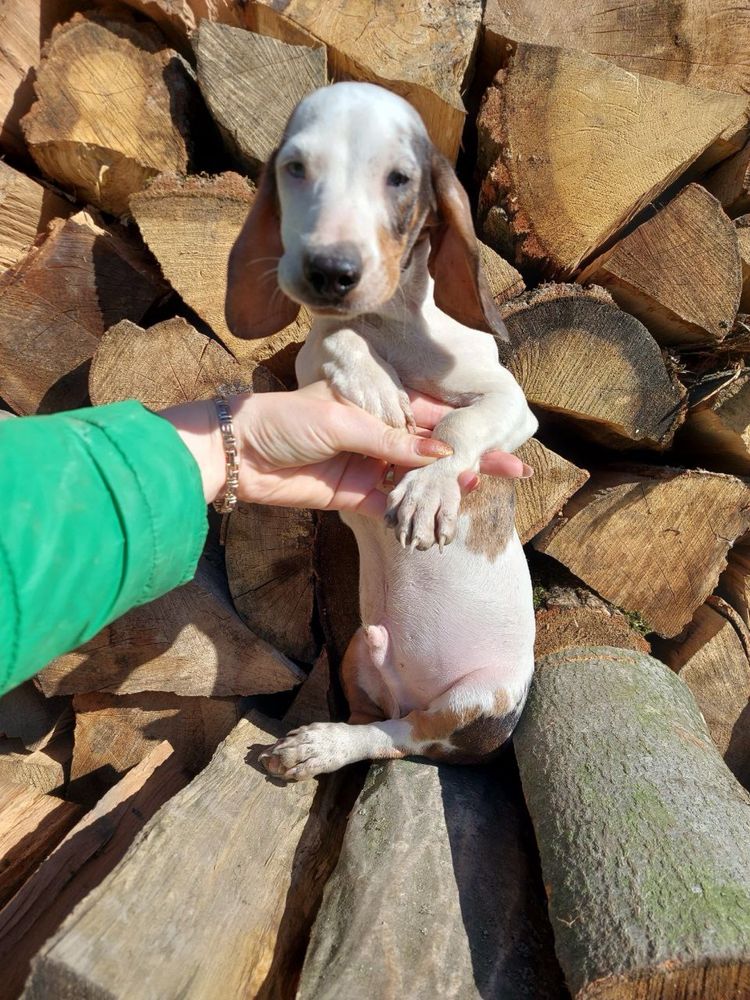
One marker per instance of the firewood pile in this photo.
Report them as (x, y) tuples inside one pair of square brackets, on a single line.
[(143, 851)]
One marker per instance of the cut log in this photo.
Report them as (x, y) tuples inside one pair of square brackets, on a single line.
[(711, 657), (87, 854), (31, 824), (25, 714), (651, 540), (690, 43), (190, 225), (578, 356), (46, 770), (436, 893), (730, 183), (167, 364), (743, 238), (336, 584), (571, 148), (415, 51), (232, 918), (569, 614), (554, 482), (252, 84), (26, 209), (680, 273), (24, 28), (113, 109), (269, 558), (503, 279), (189, 642), (642, 830), (115, 732), (716, 432), (59, 301), (314, 701)]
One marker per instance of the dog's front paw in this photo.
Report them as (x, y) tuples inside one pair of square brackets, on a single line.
[(315, 749), (373, 390), (423, 508)]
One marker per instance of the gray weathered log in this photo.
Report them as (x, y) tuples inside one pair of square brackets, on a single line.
[(643, 832), (436, 893)]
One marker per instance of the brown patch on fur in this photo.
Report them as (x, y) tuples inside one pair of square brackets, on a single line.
[(474, 735), (491, 509)]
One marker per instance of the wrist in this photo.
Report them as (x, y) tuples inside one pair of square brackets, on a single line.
[(198, 426)]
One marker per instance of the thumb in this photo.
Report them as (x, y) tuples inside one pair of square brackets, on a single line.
[(365, 434)]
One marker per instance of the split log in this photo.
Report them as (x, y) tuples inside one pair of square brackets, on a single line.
[(554, 482), (642, 830), (572, 148), (414, 51), (190, 225), (252, 84), (730, 183), (46, 770), (25, 28), (31, 824), (743, 237), (81, 861), (436, 893), (189, 642), (680, 272), (336, 565), (167, 364), (232, 918), (734, 585), (651, 540), (58, 301), (569, 614), (689, 43), (113, 109), (269, 559), (577, 356), (115, 732), (25, 714), (314, 700), (26, 209), (711, 656), (716, 432), (503, 279)]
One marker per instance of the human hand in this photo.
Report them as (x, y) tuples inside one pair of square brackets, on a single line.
[(308, 448)]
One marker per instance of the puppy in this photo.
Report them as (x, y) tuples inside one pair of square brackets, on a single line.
[(359, 218)]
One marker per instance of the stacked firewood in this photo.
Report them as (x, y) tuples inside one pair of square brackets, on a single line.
[(606, 152)]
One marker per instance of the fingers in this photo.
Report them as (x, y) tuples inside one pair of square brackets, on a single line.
[(427, 411), (502, 463), (363, 434)]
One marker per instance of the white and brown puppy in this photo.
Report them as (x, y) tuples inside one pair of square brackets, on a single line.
[(360, 219)]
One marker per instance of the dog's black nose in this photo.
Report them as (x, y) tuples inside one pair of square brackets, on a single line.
[(333, 272)]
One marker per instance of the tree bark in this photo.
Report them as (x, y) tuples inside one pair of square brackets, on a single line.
[(554, 191), (642, 831)]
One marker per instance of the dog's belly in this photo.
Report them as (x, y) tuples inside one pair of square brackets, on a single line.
[(446, 614)]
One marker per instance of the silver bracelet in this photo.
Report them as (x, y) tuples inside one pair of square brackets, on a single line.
[(228, 499)]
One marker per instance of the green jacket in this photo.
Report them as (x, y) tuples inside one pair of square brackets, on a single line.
[(100, 510)]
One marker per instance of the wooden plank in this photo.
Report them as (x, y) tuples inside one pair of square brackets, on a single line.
[(31, 824), (231, 918), (189, 642), (80, 862), (436, 893)]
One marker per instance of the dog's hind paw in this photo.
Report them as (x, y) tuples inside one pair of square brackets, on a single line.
[(423, 508)]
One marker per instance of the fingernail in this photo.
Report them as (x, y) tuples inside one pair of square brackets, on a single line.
[(471, 484), (528, 472), (433, 448)]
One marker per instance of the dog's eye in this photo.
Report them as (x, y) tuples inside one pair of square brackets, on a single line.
[(296, 169), (397, 179)]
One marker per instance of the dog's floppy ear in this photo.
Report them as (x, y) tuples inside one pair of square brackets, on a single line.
[(255, 305), (460, 286)]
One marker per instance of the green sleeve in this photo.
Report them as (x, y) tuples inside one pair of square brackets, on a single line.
[(100, 510)]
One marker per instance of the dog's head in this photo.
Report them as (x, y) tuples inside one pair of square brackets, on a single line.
[(341, 204)]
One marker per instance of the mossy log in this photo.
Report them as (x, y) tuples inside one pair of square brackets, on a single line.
[(436, 893), (579, 357), (643, 832), (573, 148)]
